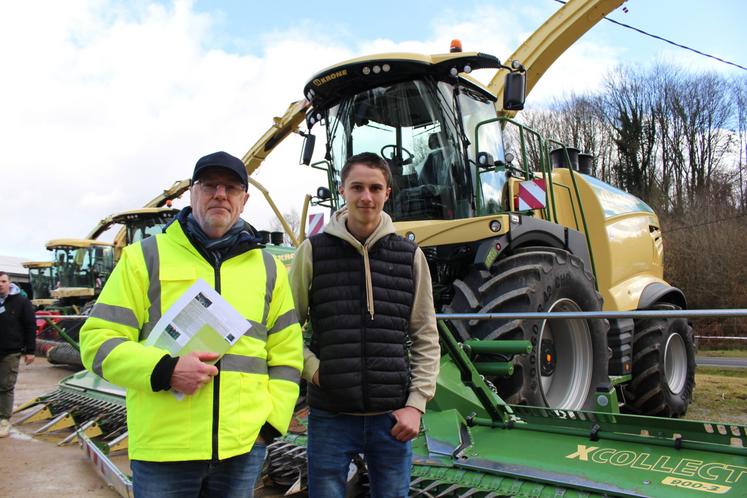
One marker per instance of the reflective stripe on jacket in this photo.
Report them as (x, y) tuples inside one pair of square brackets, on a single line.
[(258, 380)]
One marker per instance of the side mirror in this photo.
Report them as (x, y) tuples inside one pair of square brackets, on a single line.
[(485, 160), (307, 149), (514, 91), (323, 193)]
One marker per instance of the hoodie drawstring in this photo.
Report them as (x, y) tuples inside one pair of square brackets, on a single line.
[(369, 282)]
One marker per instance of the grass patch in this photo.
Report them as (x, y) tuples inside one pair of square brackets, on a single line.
[(720, 395), (719, 372), (722, 353)]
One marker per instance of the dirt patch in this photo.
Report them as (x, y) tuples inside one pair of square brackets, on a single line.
[(36, 467)]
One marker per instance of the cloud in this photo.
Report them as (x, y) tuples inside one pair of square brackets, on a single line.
[(107, 107), (105, 103)]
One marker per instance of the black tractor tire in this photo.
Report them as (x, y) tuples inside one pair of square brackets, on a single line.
[(557, 373), (663, 367), (65, 354)]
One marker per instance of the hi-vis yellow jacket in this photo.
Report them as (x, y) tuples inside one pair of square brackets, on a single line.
[(258, 379)]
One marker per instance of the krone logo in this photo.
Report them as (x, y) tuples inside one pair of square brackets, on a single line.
[(329, 77)]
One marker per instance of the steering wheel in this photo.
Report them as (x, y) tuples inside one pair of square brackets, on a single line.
[(406, 159)]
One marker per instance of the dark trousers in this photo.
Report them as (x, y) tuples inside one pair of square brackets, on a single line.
[(8, 377)]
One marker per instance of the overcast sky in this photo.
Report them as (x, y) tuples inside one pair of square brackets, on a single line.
[(105, 103)]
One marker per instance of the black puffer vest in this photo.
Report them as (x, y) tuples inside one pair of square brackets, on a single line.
[(364, 361)]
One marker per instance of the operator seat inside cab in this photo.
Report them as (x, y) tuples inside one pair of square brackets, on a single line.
[(434, 168)]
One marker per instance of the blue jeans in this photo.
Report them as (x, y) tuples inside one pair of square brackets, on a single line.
[(334, 439), (231, 478)]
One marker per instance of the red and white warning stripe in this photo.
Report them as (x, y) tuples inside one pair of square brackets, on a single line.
[(532, 195), (316, 223)]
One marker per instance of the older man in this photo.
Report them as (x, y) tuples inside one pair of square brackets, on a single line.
[(212, 441), (17, 338)]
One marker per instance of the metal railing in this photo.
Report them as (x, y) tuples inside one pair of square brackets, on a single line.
[(529, 315), (544, 315)]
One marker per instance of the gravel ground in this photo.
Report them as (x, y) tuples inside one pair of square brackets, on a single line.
[(37, 467)]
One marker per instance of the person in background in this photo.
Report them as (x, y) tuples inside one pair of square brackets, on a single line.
[(17, 338)]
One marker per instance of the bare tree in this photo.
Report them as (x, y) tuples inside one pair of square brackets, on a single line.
[(706, 113), (628, 108), (578, 122), (739, 92)]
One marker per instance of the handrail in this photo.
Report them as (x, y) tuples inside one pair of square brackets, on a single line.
[(529, 315), (593, 314)]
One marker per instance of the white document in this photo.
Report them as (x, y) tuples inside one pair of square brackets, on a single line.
[(200, 320)]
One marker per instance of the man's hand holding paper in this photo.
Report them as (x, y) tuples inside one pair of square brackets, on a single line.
[(191, 373)]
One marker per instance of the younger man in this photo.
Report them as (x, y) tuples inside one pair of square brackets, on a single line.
[(373, 359)]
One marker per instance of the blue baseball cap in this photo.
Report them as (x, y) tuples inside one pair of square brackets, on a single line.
[(222, 160)]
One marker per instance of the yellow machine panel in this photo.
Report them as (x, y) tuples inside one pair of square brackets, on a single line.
[(623, 233), (441, 232)]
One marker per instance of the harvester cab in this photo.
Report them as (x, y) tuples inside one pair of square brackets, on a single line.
[(43, 276), (83, 265), (138, 224), (163, 200), (418, 112), (505, 231)]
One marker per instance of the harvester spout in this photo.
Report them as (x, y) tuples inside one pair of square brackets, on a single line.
[(549, 41)]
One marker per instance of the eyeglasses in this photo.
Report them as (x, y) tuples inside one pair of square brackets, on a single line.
[(231, 189)]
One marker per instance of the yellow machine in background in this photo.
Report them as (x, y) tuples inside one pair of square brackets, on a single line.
[(138, 224), (82, 265), (43, 276)]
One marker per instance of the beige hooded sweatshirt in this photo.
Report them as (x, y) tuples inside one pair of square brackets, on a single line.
[(425, 352)]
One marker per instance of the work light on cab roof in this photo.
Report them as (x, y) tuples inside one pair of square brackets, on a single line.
[(329, 86)]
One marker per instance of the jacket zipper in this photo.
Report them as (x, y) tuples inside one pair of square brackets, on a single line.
[(216, 379), (364, 317), (217, 261)]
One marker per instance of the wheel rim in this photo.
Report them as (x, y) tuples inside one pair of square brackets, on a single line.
[(568, 382), (675, 363)]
